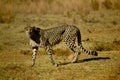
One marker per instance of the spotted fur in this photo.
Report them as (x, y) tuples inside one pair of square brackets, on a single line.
[(45, 38)]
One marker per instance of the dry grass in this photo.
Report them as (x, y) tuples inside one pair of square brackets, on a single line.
[(15, 53), (98, 21), (8, 9), (17, 66)]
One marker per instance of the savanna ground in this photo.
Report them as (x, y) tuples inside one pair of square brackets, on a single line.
[(98, 21)]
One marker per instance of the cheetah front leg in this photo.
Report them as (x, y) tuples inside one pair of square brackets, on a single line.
[(50, 52), (34, 51)]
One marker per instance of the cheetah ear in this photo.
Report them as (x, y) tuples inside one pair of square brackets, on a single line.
[(36, 28)]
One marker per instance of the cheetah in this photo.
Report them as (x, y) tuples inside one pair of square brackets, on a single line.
[(46, 38)]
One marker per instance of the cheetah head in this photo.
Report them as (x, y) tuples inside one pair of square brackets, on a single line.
[(32, 31)]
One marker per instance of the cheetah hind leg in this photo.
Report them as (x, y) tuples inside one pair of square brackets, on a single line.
[(76, 54), (75, 59)]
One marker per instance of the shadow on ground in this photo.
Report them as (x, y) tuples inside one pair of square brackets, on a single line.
[(86, 60)]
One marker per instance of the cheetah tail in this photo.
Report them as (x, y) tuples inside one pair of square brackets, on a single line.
[(82, 48), (94, 53)]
